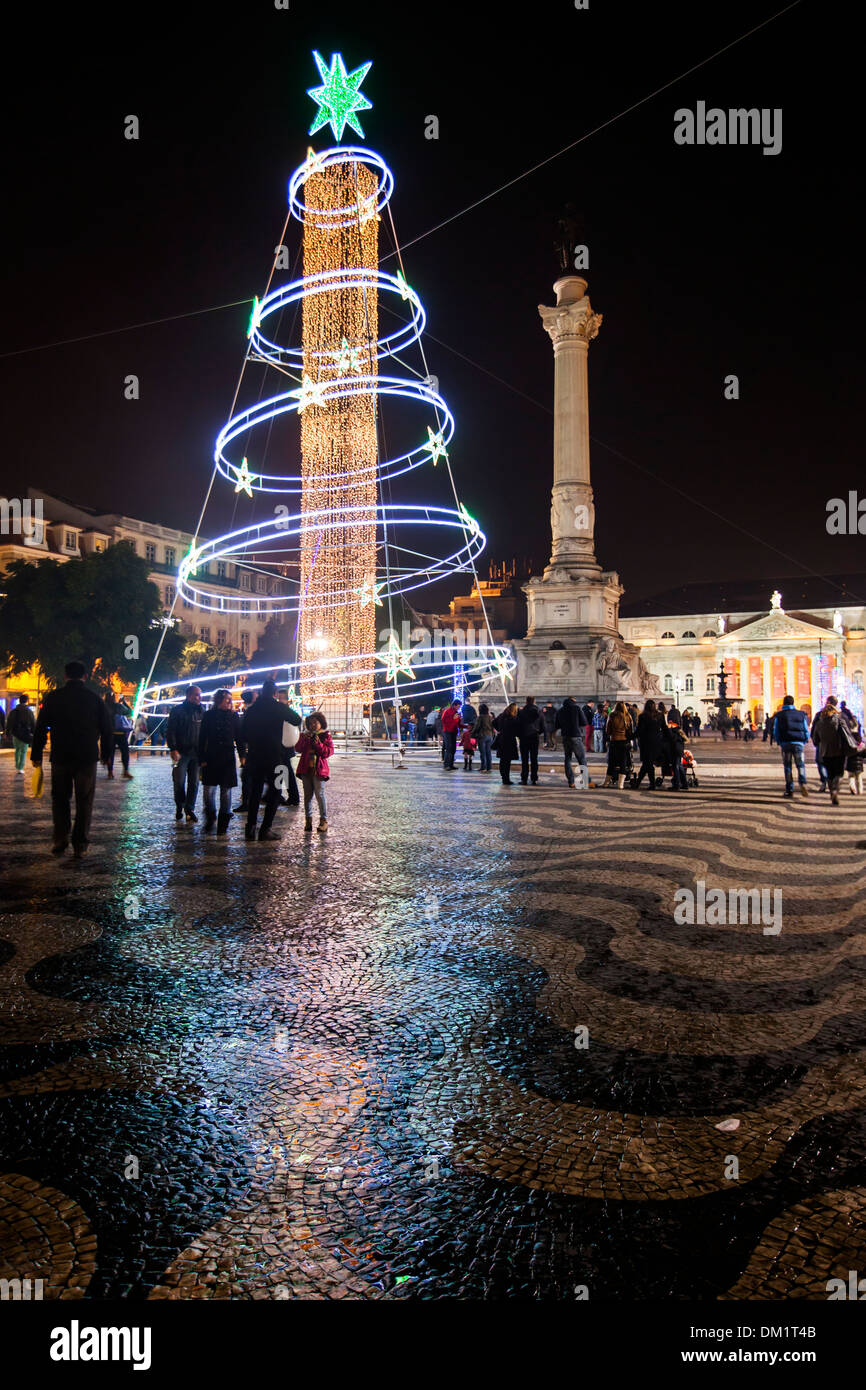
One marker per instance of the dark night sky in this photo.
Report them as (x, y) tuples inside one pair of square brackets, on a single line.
[(704, 261)]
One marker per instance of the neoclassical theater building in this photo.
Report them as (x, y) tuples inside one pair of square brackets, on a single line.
[(807, 639)]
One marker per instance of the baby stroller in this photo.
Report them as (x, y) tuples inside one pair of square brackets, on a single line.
[(691, 769)]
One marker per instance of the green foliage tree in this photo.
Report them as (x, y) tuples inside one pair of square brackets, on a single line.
[(201, 659), (101, 610)]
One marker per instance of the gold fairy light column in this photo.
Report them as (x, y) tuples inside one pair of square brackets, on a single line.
[(338, 559)]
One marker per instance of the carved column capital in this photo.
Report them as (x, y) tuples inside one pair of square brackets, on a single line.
[(575, 320)]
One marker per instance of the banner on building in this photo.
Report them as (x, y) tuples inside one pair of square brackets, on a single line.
[(777, 675), (756, 678), (803, 667), (732, 671)]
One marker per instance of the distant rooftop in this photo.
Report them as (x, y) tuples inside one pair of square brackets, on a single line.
[(800, 593)]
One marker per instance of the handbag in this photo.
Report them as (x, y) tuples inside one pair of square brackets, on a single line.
[(38, 784), (291, 734)]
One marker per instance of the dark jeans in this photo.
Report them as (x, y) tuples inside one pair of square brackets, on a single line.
[(574, 748), (484, 747), (679, 779), (505, 769), (835, 767), (293, 795), (449, 747), (647, 766), (793, 753), (185, 777), (66, 778), (121, 741), (262, 777), (529, 757)]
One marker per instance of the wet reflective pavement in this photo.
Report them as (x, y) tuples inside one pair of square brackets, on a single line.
[(350, 1065)]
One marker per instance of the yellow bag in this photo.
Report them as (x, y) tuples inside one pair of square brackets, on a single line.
[(38, 780)]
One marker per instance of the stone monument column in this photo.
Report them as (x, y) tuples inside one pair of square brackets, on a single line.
[(571, 325)]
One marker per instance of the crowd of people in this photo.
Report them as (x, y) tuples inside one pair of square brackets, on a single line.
[(267, 735)]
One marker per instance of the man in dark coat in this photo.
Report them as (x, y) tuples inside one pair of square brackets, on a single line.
[(182, 736), (81, 733), (528, 731), (247, 699), (571, 722), (267, 757), (791, 732)]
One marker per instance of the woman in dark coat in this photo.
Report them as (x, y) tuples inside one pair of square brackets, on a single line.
[(649, 738), (505, 725), (219, 736)]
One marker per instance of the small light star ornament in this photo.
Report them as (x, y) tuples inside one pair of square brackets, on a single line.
[(338, 98), (468, 520), (245, 479), (348, 359), (369, 592), (396, 659), (405, 291), (435, 446), (309, 393)]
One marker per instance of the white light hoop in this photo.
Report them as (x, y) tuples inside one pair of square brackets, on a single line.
[(262, 412), (314, 524), (487, 661), (362, 278), (330, 219)]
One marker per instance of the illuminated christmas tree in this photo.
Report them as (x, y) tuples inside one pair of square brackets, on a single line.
[(339, 552)]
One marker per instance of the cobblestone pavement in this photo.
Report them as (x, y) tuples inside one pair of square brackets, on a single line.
[(345, 1066)]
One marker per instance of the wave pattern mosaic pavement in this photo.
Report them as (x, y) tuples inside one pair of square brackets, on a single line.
[(344, 1066)]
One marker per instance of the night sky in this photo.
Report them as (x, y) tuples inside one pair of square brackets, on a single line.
[(704, 261)]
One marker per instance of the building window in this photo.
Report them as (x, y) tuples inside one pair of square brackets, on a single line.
[(69, 541), (169, 555), (245, 607), (169, 595), (711, 685), (221, 637), (186, 603), (688, 636), (205, 634), (668, 637), (245, 643), (709, 633), (150, 553), (261, 584), (244, 579), (669, 685), (98, 545), (221, 569), (689, 685)]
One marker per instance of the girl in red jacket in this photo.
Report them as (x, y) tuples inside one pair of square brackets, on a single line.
[(314, 748)]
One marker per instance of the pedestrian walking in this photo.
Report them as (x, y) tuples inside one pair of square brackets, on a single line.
[(247, 698), (854, 758), (619, 732), (315, 747), (505, 742), (81, 734), (571, 723), (182, 736), (266, 752), (676, 745), (483, 733), (529, 728), (649, 739), (450, 730), (219, 736), (120, 713), (21, 727), (598, 722), (831, 744), (791, 732), (140, 730), (468, 744)]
